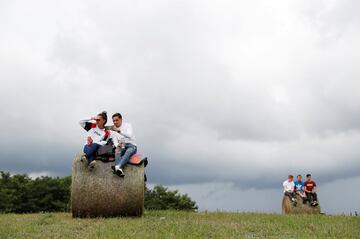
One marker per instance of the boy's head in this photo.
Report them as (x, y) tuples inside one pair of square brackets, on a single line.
[(117, 119), (308, 177), (290, 178), (299, 178)]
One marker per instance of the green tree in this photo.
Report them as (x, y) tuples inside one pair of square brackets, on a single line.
[(161, 198), (21, 194)]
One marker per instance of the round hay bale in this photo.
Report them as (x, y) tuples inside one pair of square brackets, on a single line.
[(100, 193), (300, 208)]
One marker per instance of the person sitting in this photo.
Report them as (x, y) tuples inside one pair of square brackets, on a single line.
[(126, 147), (299, 188), (97, 136), (310, 190), (289, 187)]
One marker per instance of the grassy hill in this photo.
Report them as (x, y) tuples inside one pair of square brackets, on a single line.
[(178, 224)]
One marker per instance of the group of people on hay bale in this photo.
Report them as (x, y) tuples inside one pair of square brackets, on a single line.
[(118, 138), (306, 190)]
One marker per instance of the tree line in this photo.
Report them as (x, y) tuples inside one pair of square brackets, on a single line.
[(21, 194)]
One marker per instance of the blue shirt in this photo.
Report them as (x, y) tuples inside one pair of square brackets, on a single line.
[(299, 186)]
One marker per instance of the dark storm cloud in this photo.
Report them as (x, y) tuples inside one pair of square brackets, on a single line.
[(216, 91)]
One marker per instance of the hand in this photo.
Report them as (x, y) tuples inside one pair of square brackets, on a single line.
[(89, 140)]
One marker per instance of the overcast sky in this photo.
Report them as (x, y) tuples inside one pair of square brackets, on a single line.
[(226, 97)]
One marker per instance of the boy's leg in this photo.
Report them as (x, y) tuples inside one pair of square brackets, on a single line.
[(314, 196), (308, 196), (303, 197), (118, 153), (290, 195), (129, 151), (90, 150)]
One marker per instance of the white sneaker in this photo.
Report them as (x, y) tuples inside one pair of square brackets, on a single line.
[(120, 172), (92, 165)]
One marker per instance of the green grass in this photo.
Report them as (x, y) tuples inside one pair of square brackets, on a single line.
[(172, 224)]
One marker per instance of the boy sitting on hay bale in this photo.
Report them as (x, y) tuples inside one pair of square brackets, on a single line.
[(310, 190), (289, 189), (299, 188), (98, 139), (124, 142)]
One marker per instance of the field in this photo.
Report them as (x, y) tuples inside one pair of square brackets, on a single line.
[(172, 224)]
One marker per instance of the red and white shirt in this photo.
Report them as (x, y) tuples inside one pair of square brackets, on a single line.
[(99, 136)]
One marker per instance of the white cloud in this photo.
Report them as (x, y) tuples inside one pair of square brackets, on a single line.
[(223, 91), (34, 175)]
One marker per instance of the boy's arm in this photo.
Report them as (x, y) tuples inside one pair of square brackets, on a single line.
[(116, 137), (128, 131)]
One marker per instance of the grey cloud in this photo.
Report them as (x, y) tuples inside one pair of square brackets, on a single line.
[(217, 91)]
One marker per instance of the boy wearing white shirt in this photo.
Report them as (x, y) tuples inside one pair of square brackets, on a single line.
[(125, 143), (289, 188)]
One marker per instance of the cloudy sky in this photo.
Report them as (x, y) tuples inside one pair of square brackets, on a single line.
[(226, 97)]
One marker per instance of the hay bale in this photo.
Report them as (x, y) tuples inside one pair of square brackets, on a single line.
[(300, 208), (100, 193)]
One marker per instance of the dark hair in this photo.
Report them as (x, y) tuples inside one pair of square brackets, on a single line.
[(299, 175), (117, 115), (104, 116), (308, 175)]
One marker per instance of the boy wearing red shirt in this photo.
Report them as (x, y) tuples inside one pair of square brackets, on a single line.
[(310, 190)]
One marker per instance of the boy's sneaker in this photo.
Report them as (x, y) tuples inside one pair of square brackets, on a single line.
[(83, 158), (92, 165), (120, 172), (113, 169)]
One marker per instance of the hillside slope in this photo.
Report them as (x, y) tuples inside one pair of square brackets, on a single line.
[(172, 224)]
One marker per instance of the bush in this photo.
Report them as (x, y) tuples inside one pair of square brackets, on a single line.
[(160, 198)]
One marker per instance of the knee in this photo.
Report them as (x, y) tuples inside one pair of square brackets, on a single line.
[(86, 148)]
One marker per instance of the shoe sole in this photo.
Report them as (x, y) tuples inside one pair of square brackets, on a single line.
[(91, 166), (118, 173)]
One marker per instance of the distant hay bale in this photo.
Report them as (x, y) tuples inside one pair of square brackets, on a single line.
[(100, 193), (300, 208)]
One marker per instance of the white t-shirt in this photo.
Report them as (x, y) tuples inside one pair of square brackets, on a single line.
[(126, 131), (288, 186)]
